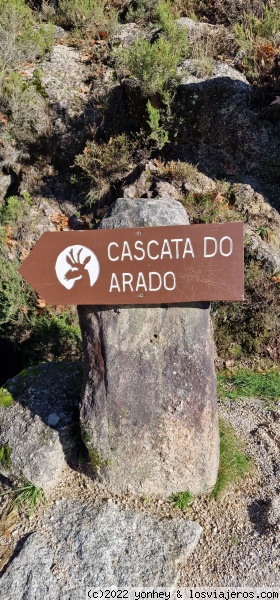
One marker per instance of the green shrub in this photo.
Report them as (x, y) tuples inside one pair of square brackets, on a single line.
[(92, 17), (141, 11), (15, 211), (52, 337), (6, 398), (154, 65), (234, 463), (249, 331), (181, 500), (268, 24), (104, 163), (5, 455), (17, 299), (20, 37), (25, 107), (27, 494), (158, 135)]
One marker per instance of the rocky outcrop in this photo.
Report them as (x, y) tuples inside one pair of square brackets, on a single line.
[(148, 410), (39, 423), (262, 227), (223, 134), (90, 545), (63, 80)]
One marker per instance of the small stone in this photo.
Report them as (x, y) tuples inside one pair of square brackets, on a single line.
[(53, 419), (273, 512)]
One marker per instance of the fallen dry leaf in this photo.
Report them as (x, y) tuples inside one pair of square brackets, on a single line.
[(40, 303), (61, 221)]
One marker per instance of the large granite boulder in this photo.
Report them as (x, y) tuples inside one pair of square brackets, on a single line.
[(39, 431), (85, 545), (148, 410), (223, 133)]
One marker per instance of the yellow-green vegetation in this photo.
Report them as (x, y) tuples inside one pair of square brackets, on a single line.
[(26, 494), (21, 37), (5, 455), (248, 332), (158, 135), (96, 460), (103, 163), (16, 297), (6, 398), (257, 36), (234, 463), (249, 383), (212, 206), (24, 107), (181, 500), (47, 335), (53, 337), (154, 65), (87, 18)]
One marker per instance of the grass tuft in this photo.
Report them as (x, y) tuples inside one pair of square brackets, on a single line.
[(181, 500), (234, 463), (249, 383), (6, 399), (27, 494)]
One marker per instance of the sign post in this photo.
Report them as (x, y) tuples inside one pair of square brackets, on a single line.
[(150, 265)]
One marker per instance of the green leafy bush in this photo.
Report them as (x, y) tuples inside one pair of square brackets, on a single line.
[(154, 65), (234, 463), (182, 500), (104, 163), (249, 331), (268, 24), (21, 38), (25, 107), (5, 455), (52, 337), (158, 134), (92, 17)]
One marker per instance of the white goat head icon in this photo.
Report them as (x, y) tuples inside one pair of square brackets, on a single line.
[(77, 266)]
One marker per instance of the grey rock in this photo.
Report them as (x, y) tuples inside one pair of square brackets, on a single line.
[(262, 251), (98, 545), (64, 79), (40, 445), (273, 512), (256, 210), (127, 34), (144, 212), (166, 190), (217, 36), (148, 409), (198, 183), (5, 182), (223, 135), (262, 227), (141, 184)]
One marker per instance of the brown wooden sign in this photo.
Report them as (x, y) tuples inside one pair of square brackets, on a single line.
[(150, 265)]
